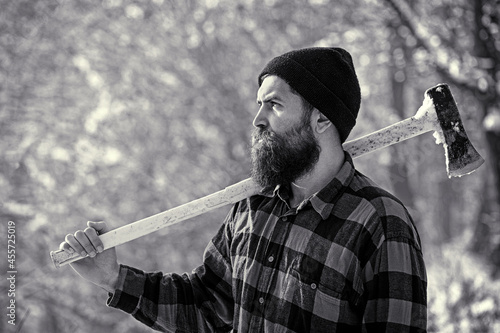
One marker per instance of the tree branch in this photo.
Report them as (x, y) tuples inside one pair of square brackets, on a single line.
[(423, 35)]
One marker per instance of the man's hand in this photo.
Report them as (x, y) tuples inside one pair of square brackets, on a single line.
[(101, 268)]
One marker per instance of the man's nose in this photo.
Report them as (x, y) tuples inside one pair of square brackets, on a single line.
[(260, 119)]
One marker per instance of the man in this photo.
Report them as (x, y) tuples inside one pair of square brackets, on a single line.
[(323, 249)]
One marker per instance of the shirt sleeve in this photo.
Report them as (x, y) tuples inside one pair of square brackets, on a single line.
[(197, 302), (396, 287)]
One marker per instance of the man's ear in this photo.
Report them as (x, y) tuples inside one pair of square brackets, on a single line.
[(322, 123)]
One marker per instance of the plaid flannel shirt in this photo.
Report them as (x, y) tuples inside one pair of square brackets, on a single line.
[(348, 259)]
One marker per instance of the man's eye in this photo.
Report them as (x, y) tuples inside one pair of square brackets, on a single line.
[(271, 104)]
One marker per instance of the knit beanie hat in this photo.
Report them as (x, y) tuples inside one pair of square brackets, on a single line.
[(325, 77)]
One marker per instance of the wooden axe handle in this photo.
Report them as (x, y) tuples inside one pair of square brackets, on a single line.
[(424, 121), (118, 236)]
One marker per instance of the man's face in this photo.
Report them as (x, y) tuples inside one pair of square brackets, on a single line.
[(283, 143)]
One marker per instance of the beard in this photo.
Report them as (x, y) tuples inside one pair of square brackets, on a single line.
[(279, 159)]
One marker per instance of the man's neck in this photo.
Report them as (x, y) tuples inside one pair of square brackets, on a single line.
[(323, 172)]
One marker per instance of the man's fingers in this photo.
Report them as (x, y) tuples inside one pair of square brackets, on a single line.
[(94, 239), (81, 237), (85, 241), (65, 247), (75, 245)]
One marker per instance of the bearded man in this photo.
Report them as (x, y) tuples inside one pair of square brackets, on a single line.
[(322, 249)]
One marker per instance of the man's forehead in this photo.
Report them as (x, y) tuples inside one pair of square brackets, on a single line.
[(273, 86)]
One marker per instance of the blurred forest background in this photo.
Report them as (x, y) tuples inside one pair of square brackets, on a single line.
[(116, 110)]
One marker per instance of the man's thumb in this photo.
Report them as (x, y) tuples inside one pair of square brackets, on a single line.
[(100, 226)]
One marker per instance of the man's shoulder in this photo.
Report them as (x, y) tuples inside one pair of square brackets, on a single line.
[(381, 212), (382, 200)]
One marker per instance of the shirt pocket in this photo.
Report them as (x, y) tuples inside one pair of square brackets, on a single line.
[(312, 296), (309, 274), (324, 284)]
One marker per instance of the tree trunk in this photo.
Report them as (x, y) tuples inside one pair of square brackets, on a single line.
[(398, 168), (486, 239)]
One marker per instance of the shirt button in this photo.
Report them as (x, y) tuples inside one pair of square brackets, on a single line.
[(270, 259), (261, 300), (313, 286), (284, 218)]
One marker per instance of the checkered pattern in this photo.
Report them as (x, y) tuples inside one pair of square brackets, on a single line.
[(346, 260)]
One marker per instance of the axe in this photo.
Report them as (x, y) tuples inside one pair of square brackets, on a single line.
[(438, 113)]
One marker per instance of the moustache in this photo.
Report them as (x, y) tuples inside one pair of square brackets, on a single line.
[(262, 135)]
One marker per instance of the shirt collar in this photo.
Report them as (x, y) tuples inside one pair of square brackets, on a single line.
[(324, 200)]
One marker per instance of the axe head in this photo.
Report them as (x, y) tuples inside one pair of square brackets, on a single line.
[(461, 156)]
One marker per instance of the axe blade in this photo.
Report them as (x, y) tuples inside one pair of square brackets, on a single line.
[(461, 156)]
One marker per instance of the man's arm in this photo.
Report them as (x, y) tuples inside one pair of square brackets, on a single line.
[(396, 288), (197, 302)]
